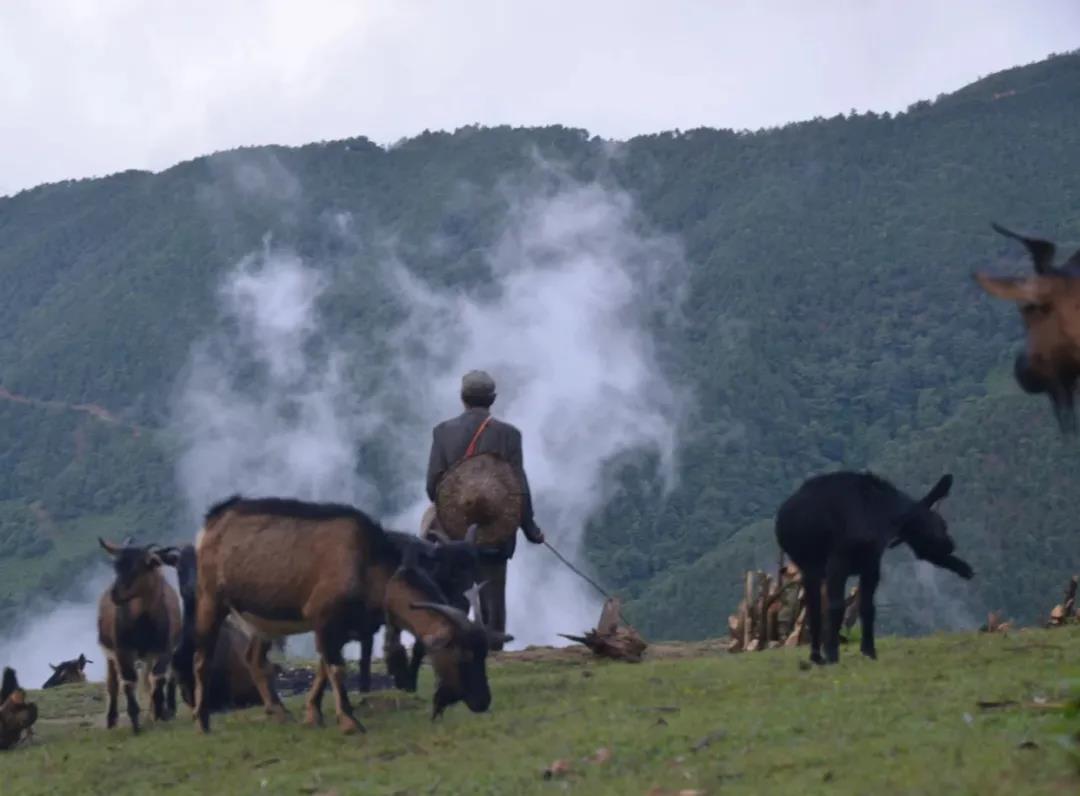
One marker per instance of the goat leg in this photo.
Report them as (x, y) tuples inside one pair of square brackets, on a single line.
[(812, 592), (868, 583), (834, 587), (313, 708), (418, 651), (160, 673), (112, 687), (208, 621), (366, 643), (170, 694), (330, 657), (262, 675), (397, 660), (129, 675)]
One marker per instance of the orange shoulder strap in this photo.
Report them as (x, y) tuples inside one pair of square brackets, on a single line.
[(469, 451)]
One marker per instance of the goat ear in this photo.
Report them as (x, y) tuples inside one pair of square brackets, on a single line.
[(109, 547), (1025, 290), (939, 492), (170, 556)]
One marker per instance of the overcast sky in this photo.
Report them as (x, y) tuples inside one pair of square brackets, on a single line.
[(91, 88)]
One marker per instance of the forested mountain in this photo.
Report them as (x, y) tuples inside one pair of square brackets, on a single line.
[(829, 320)]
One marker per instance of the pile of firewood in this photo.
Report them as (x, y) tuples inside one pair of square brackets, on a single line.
[(1065, 613), (613, 637), (772, 612), (995, 623)]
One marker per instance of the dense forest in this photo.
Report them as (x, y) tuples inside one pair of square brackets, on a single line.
[(828, 319)]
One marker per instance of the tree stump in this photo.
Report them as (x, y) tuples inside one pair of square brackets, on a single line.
[(1065, 612), (613, 637)]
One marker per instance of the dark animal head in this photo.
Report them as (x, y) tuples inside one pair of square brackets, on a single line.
[(68, 672), (454, 564), (17, 715), (459, 658), (458, 647), (925, 531), (135, 568), (1049, 304)]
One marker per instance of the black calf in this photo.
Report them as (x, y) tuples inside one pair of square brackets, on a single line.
[(840, 524)]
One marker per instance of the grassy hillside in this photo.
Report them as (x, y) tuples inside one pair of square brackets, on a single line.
[(944, 714), (829, 321)]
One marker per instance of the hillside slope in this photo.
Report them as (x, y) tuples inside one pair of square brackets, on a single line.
[(684, 721), (829, 320)]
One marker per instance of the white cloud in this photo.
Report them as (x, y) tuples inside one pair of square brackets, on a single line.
[(91, 88)]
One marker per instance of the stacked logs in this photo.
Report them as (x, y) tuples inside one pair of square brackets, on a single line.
[(772, 612), (1065, 613)]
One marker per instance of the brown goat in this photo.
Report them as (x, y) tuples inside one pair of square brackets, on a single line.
[(288, 566), (1050, 307), (139, 621), (17, 715), (72, 671), (229, 684)]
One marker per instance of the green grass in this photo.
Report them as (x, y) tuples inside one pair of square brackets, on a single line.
[(694, 717)]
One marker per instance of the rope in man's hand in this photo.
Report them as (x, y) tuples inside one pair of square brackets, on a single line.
[(575, 570)]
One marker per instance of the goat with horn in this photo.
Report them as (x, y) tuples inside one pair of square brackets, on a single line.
[(288, 566), (1049, 303), (139, 622)]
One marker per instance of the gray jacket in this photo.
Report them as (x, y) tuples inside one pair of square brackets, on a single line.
[(450, 439)]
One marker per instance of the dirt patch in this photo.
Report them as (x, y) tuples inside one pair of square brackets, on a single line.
[(673, 650)]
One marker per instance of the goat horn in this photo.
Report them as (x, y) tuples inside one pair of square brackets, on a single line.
[(473, 596), (456, 617)]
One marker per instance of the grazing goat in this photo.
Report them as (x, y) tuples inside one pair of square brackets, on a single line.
[(68, 672), (1050, 307), (289, 566), (452, 565), (229, 683), (17, 715), (840, 524), (139, 621)]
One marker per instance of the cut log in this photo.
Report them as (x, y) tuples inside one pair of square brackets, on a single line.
[(613, 637), (1065, 612), (995, 623)]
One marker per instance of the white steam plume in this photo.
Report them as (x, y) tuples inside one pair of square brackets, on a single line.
[(272, 407), (265, 408), (563, 333)]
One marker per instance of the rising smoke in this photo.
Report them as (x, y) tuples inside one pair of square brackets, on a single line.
[(565, 336), (277, 403), (266, 406)]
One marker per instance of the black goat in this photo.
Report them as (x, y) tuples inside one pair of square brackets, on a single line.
[(840, 524)]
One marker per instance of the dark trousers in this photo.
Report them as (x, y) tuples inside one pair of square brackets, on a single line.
[(493, 597)]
